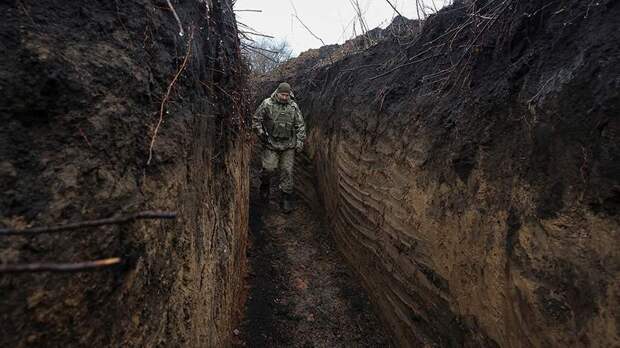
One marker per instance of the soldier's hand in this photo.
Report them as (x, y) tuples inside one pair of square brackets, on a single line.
[(260, 135)]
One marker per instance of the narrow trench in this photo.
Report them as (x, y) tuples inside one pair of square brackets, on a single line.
[(302, 293)]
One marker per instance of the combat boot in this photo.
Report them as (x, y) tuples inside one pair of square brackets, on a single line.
[(287, 202), (265, 184)]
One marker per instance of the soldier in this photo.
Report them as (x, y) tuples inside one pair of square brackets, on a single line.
[(280, 126)]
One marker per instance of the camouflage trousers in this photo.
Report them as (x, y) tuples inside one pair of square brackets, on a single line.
[(283, 160)]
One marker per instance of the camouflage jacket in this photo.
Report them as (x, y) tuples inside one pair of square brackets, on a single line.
[(280, 125)]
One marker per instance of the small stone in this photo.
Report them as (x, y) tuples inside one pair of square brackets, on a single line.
[(301, 284), (236, 332), (72, 302)]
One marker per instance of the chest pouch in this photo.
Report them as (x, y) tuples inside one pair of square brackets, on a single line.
[(283, 126)]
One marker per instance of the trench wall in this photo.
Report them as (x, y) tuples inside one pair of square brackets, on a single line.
[(82, 88), (475, 187)]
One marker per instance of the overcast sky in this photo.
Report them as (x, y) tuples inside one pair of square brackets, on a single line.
[(331, 20)]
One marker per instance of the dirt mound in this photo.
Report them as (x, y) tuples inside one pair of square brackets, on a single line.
[(83, 90), (471, 174), (401, 29)]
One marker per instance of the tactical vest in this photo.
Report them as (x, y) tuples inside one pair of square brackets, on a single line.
[(279, 123)]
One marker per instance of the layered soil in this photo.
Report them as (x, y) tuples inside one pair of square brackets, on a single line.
[(82, 92), (467, 167), (470, 173)]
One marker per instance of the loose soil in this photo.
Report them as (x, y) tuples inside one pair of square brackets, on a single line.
[(302, 293)]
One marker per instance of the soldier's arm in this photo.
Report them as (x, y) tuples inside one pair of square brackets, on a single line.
[(300, 127), (257, 119)]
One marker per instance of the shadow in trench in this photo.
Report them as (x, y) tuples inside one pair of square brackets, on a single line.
[(302, 292)]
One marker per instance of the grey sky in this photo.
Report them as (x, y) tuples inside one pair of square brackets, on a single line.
[(331, 20)]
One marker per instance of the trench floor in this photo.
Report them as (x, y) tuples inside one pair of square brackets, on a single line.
[(301, 291)]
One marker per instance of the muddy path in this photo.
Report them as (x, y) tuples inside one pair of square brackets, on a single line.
[(301, 291)]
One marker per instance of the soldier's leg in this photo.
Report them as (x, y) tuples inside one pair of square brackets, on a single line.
[(287, 161), (269, 164)]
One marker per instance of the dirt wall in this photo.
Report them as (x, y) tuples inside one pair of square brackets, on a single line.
[(471, 172), (82, 88)]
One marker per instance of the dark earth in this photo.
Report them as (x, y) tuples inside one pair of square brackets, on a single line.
[(467, 170), (82, 88), (302, 292), (470, 172)]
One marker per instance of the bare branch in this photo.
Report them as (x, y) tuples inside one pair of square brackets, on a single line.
[(296, 15), (176, 16), (258, 48), (404, 65), (257, 51), (60, 267), (363, 25), (266, 54), (308, 29), (88, 223), (257, 34), (394, 8)]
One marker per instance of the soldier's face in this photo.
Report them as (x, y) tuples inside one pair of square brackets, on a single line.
[(283, 96)]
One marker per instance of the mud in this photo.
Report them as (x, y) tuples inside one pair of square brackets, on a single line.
[(302, 293)]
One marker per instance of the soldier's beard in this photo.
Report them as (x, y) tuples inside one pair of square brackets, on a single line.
[(281, 100)]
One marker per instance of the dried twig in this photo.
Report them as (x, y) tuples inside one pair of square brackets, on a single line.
[(404, 65), (85, 137), (167, 95), (345, 28), (242, 25), (417, 8), (88, 223), (176, 16), (302, 23), (27, 13), (257, 34), (360, 16), (495, 13), (257, 51), (258, 48), (60, 267), (248, 10), (310, 31), (394, 8)]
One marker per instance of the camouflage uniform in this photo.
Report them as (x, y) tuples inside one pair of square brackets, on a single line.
[(281, 128)]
